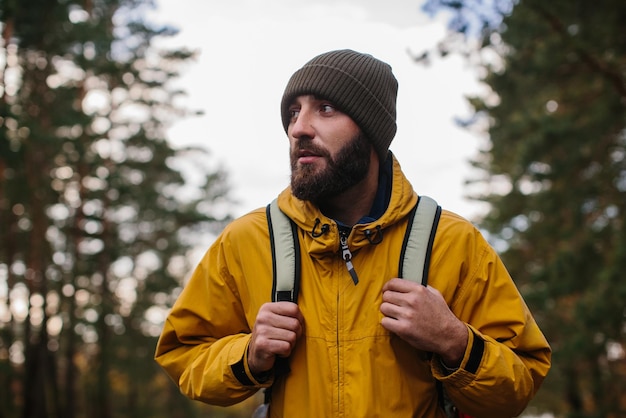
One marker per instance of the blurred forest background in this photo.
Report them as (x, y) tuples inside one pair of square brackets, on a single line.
[(94, 232)]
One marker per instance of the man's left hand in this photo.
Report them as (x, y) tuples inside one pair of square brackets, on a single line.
[(420, 316)]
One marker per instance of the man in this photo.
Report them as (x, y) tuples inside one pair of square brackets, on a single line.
[(359, 342)]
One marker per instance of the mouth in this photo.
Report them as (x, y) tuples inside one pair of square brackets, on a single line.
[(306, 153), (307, 156)]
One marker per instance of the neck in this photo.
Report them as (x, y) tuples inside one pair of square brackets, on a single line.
[(357, 201)]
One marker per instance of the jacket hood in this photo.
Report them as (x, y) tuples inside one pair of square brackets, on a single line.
[(323, 231)]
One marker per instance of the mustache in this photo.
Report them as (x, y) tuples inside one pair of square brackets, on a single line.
[(303, 147)]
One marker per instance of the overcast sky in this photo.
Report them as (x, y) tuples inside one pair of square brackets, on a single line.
[(248, 50)]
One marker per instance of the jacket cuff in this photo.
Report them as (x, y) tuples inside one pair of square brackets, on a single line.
[(242, 372), (471, 359)]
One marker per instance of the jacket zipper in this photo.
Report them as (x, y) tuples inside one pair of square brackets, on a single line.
[(347, 255), (338, 360)]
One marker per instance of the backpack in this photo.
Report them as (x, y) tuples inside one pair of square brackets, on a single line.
[(413, 265)]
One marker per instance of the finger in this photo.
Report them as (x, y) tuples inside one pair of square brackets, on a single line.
[(284, 308), (281, 348), (274, 346), (268, 341), (411, 297), (400, 285), (279, 328), (388, 323), (393, 297), (287, 323), (395, 326), (281, 334), (390, 310), (287, 309), (293, 311)]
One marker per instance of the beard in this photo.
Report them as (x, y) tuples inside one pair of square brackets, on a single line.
[(347, 168)]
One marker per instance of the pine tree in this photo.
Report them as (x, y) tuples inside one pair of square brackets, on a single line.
[(555, 178), (95, 224)]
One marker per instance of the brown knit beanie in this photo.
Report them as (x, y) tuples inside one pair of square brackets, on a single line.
[(360, 85)]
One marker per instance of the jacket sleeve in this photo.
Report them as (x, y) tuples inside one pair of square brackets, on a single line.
[(507, 357), (203, 345)]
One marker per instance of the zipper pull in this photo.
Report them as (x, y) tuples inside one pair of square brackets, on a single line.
[(347, 256)]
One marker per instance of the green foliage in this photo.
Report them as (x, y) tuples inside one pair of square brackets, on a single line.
[(555, 176), (96, 218)]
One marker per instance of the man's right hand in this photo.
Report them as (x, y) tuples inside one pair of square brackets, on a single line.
[(277, 328)]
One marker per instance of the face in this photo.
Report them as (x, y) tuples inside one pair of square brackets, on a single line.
[(328, 152)]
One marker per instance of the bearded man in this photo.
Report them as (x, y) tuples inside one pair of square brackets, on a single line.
[(359, 342)]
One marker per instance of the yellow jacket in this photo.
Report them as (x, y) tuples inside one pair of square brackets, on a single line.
[(346, 364)]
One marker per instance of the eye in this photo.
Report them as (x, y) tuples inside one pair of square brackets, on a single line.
[(294, 112), (327, 108)]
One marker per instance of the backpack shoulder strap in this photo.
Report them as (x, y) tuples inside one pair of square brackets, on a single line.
[(415, 263), (418, 240), (285, 254)]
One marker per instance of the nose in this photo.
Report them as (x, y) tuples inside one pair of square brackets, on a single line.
[(301, 125)]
